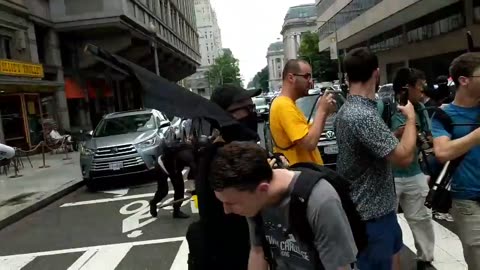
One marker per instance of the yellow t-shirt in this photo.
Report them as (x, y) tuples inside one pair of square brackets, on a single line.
[(288, 125)]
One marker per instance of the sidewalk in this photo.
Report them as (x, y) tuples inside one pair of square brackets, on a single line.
[(37, 187)]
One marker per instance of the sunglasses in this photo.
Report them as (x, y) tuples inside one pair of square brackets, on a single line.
[(249, 108), (306, 76)]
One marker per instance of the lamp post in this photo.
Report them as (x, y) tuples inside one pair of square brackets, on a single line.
[(153, 29), (340, 74)]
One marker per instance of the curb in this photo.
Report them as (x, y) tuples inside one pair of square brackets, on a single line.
[(48, 199)]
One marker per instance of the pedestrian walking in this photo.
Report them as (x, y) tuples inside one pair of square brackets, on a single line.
[(411, 184), (367, 148), (291, 133), (460, 144), (248, 186)]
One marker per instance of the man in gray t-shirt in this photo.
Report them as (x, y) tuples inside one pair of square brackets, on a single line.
[(247, 186)]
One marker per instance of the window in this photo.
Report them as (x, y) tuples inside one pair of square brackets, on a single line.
[(5, 51)]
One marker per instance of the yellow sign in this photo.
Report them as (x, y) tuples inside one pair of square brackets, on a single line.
[(14, 68)]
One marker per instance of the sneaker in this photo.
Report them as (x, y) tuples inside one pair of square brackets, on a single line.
[(179, 214), (448, 217), (421, 265)]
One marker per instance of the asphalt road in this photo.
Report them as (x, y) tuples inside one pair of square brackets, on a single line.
[(114, 230), (100, 230)]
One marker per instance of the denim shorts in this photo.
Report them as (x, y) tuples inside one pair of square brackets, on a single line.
[(384, 241)]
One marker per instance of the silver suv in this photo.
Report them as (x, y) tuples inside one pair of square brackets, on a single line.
[(123, 143)]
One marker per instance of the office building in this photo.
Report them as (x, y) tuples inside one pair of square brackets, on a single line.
[(275, 59), (210, 40), (424, 34), (298, 20)]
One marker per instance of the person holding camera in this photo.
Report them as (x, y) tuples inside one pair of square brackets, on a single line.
[(460, 143), (367, 148), (291, 133), (411, 184)]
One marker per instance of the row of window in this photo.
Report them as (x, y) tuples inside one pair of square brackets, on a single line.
[(351, 11), (170, 15), (437, 28)]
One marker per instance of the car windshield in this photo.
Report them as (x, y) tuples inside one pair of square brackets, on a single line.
[(125, 124), (259, 101), (306, 105)]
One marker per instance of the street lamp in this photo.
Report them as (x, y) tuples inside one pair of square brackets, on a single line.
[(340, 74), (153, 29)]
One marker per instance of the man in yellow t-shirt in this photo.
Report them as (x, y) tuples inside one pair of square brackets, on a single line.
[(292, 135)]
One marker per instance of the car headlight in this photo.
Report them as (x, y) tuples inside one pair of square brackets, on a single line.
[(86, 151), (147, 143)]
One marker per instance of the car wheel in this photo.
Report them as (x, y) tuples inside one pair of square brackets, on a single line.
[(91, 186)]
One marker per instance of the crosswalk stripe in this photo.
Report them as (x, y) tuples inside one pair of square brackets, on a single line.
[(181, 259), (82, 260), (448, 248), (14, 263), (106, 258)]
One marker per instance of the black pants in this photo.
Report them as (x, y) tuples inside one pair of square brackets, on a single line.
[(175, 160)]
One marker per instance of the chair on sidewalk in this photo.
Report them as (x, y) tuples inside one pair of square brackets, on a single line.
[(5, 166), (19, 154)]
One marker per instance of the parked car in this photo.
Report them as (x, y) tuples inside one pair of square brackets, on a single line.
[(262, 108), (327, 143), (123, 143)]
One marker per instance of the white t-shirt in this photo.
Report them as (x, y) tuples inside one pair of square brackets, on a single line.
[(6, 151)]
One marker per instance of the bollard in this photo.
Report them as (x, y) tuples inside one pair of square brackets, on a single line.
[(44, 166)]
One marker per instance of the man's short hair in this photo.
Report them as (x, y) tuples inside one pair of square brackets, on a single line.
[(464, 65), (407, 76), (292, 66), (359, 65), (240, 165)]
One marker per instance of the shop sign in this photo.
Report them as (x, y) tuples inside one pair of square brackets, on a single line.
[(14, 68)]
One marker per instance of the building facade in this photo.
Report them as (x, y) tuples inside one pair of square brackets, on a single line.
[(44, 72), (31, 76), (210, 40), (275, 59), (298, 20), (424, 34)]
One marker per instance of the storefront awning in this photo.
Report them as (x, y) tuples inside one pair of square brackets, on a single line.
[(74, 91), (28, 85)]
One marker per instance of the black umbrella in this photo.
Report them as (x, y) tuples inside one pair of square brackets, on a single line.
[(170, 98)]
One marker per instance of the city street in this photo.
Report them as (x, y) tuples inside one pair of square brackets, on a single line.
[(100, 230), (113, 229)]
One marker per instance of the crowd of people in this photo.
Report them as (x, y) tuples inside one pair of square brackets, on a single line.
[(283, 210)]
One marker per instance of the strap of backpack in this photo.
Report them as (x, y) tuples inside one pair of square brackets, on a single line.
[(387, 111), (267, 252), (299, 225)]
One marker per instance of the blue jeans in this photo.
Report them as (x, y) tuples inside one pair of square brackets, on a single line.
[(384, 241)]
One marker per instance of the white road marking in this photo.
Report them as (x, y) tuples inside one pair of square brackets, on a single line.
[(181, 259), (117, 192), (106, 258), (124, 198), (83, 259), (14, 263), (448, 252), (139, 216), (83, 249)]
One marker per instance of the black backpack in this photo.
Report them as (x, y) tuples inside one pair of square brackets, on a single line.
[(311, 173)]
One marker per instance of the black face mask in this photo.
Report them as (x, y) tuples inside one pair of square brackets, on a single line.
[(250, 122), (246, 131)]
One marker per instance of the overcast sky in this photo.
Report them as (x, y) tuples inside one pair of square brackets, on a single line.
[(249, 26)]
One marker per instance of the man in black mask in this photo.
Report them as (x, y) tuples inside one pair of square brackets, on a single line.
[(218, 240)]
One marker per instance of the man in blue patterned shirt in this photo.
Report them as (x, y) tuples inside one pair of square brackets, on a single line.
[(366, 150)]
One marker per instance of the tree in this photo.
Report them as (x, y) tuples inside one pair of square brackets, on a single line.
[(225, 70), (324, 69), (260, 81)]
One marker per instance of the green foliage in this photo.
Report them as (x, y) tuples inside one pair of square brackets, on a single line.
[(324, 69), (225, 70), (260, 81)]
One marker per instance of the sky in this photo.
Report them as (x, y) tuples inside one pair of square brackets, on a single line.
[(249, 27)]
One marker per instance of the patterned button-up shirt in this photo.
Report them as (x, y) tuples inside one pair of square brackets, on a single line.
[(364, 142)]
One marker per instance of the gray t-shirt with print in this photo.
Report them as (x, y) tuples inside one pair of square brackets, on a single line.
[(364, 141), (333, 237)]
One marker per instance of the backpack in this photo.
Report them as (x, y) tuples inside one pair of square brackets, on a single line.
[(311, 174)]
